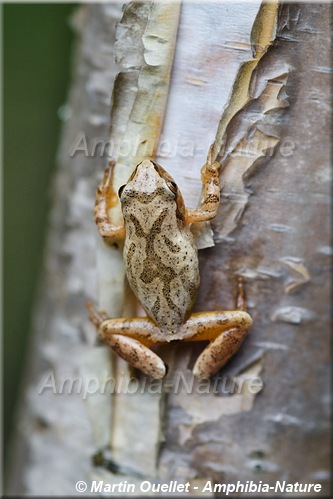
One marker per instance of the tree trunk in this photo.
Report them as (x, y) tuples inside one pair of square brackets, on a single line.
[(265, 417)]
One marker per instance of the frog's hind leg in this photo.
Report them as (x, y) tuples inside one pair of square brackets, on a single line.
[(225, 331), (137, 355), (131, 339), (220, 350)]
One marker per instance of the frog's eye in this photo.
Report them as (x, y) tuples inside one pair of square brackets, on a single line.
[(172, 186), (120, 191)]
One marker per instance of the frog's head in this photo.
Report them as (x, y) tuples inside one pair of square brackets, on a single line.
[(149, 181)]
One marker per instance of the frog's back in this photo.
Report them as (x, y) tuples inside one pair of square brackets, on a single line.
[(161, 263), (160, 256)]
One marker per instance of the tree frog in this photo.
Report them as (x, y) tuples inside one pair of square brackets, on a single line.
[(161, 264)]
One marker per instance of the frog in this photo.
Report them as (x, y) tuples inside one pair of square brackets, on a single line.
[(162, 268)]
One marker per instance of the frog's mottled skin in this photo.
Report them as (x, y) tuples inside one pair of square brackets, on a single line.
[(161, 259), (161, 264)]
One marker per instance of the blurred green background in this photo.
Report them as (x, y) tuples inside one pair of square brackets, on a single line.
[(37, 42)]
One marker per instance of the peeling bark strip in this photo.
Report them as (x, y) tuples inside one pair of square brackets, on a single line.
[(249, 113), (144, 48), (262, 36), (146, 38)]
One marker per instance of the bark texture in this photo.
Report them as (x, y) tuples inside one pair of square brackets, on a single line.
[(272, 228)]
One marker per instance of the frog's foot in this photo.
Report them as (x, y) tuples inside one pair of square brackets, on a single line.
[(211, 195), (211, 168), (95, 316), (106, 198), (105, 188), (240, 303), (131, 339)]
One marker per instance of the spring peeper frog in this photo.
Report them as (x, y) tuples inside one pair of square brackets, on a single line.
[(161, 263)]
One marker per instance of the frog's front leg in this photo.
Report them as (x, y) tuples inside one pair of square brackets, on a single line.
[(105, 199), (225, 331), (211, 184), (130, 339)]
